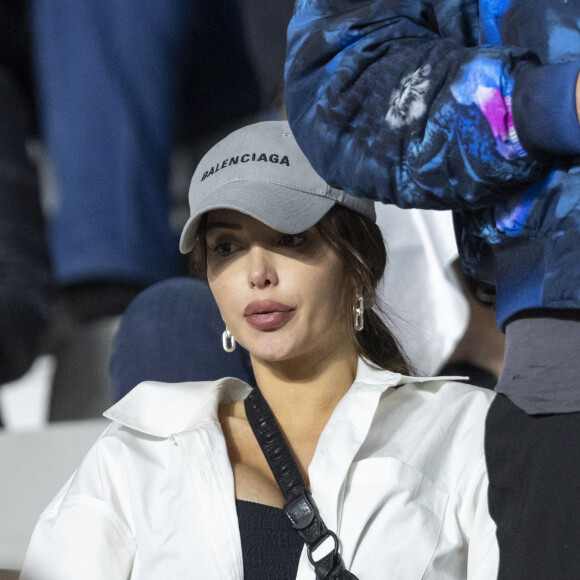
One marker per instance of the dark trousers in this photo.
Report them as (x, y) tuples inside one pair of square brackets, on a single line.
[(118, 84), (534, 496), (24, 263)]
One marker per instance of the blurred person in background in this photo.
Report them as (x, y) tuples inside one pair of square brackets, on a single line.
[(25, 283)]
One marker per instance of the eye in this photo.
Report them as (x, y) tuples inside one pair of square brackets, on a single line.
[(293, 240), (225, 249)]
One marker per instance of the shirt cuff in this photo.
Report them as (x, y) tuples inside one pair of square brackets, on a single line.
[(544, 109)]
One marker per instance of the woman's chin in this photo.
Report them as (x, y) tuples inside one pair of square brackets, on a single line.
[(270, 356), (272, 352)]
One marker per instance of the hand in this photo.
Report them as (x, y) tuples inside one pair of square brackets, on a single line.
[(578, 97)]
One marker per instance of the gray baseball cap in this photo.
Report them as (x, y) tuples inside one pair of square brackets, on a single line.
[(260, 171)]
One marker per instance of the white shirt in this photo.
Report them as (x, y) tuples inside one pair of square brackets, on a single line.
[(428, 310), (398, 474)]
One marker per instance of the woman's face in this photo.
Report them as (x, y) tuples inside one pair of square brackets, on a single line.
[(282, 296)]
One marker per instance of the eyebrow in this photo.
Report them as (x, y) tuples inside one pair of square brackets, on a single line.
[(224, 225)]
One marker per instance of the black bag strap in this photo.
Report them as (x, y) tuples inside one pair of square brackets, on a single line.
[(299, 505)]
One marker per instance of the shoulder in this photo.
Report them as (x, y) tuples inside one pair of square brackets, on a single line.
[(138, 447), (445, 396), (446, 407), (411, 398), (140, 440), (436, 426)]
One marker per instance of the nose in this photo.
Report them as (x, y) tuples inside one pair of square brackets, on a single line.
[(262, 271)]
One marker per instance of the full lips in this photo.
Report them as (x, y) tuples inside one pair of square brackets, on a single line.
[(267, 314)]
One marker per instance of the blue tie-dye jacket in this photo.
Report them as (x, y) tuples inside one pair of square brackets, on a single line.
[(453, 104)]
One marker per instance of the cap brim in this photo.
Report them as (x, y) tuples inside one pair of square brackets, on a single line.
[(286, 210)]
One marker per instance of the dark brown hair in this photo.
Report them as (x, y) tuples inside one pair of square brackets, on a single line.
[(360, 244)]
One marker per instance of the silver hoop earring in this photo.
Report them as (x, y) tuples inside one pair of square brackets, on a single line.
[(228, 341), (359, 313)]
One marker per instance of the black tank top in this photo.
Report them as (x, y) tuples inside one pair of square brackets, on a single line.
[(270, 547)]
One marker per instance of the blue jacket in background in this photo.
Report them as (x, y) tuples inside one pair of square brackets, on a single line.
[(453, 104)]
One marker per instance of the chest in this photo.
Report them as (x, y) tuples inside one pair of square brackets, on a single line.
[(187, 525), (253, 478)]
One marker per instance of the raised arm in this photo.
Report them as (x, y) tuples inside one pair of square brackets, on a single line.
[(395, 100)]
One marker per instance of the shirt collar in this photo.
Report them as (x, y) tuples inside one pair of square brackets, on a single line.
[(163, 409), (367, 373)]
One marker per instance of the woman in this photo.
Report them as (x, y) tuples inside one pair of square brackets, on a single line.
[(178, 487)]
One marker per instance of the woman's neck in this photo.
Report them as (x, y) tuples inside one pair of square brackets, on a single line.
[(304, 393)]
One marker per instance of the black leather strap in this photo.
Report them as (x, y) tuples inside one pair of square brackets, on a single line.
[(299, 505)]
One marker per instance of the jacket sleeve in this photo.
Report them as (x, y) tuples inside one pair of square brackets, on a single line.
[(82, 533), (395, 101)]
